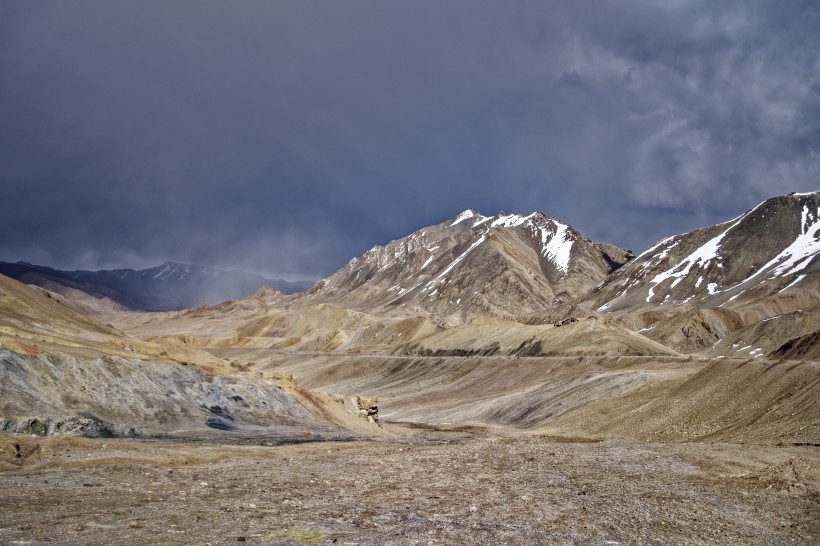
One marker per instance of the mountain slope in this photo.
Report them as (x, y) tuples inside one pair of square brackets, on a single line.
[(34, 321), (504, 265), (170, 286), (63, 372), (768, 250), (746, 287)]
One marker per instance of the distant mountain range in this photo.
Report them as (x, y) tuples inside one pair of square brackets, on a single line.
[(170, 286)]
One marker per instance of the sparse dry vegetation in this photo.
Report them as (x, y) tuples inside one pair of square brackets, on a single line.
[(434, 486)]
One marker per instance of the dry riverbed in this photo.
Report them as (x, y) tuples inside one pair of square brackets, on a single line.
[(429, 486)]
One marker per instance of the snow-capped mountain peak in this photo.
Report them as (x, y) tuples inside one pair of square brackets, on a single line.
[(456, 263), (554, 237), (775, 243), (468, 214)]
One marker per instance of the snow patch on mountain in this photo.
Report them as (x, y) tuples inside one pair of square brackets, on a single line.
[(806, 246), (701, 258), (555, 240), (461, 257), (511, 220), (794, 282), (425, 264), (482, 220), (653, 249), (792, 259), (164, 272), (441, 277), (709, 270), (557, 245), (466, 215)]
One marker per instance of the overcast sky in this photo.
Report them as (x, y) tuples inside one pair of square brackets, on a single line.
[(286, 137)]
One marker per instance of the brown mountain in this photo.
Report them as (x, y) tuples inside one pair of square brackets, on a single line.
[(744, 287), (63, 372), (473, 265), (768, 250)]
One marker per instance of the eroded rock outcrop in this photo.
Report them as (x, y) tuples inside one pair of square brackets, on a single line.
[(55, 393), (366, 407)]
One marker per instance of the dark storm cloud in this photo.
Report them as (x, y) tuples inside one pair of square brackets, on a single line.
[(287, 137)]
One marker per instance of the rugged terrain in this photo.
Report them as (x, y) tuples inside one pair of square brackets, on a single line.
[(505, 284), (472, 265), (499, 378), (436, 486), (764, 252)]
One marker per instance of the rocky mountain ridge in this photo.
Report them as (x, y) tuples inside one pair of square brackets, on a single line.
[(531, 285), (504, 265), (769, 249), (511, 266)]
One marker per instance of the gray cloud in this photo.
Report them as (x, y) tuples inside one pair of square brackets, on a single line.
[(287, 137)]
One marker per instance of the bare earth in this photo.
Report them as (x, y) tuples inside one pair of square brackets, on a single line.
[(429, 486), (571, 428)]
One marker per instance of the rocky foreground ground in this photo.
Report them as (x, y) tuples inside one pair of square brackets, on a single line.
[(427, 486)]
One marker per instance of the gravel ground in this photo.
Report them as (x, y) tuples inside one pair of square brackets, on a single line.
[(457, 486)]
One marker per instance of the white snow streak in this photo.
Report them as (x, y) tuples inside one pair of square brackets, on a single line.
[(481, 221), (794, 282), (798, 255), (559, 245), (164, 272), (701, 258), (467, 214), (430, 259), (460, 258), (510, 220)]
